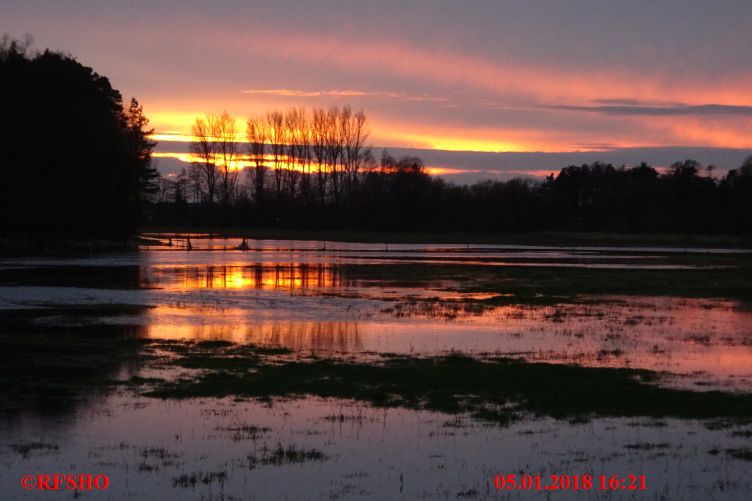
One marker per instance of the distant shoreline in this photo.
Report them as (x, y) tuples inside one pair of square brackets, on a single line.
[(20, 247), (532, 238)]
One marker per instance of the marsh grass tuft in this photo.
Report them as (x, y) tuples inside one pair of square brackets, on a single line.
[(186, 480), (281, 455), (25, 449)]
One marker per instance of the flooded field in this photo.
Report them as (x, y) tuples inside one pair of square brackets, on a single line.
[(323, 370)]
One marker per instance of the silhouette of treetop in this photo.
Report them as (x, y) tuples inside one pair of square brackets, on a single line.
[(75, 162)]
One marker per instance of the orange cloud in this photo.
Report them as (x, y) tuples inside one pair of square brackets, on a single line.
[(543, 84), (485, 85)]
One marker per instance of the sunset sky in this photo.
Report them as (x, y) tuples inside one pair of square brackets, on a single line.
[(591, 79)]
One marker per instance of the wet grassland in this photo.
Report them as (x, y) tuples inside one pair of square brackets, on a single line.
[(537, 365)]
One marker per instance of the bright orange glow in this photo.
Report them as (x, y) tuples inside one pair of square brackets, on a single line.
[(172, 136), (264, 277), (170, 125), (245, 160), (654, 131), (183, 157), (452, 138), (442, 171), (235, 165), (456, 143)]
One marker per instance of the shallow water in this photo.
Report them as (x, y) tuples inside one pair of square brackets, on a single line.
[(356, 452), (355, 300), (300, 296)]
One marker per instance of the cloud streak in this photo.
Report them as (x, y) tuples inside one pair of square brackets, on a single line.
[(345, 93), (519, 82), (311, 93), (665, 111)]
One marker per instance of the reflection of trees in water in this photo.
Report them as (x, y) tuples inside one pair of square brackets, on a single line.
[(57, 369), (297, 335), (258, 276), (326, 336)]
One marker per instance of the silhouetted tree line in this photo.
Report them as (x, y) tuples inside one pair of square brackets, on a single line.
[(684, 199), (330, 183), (312, 170), (315, 159), (74, 162)]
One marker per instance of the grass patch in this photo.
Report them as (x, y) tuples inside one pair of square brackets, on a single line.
[(646, 446), (498, 390), (186, 480), (26, 449), (50, 368), (280, 456), (213, 344), (744, 454), (544, 285), (245, 432)]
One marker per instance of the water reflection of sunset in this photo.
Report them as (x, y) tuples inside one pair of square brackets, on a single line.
[(318, 296), (257, 276), (708, 341), (297, 335)]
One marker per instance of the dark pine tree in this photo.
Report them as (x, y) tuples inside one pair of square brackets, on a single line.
[(74, 162)]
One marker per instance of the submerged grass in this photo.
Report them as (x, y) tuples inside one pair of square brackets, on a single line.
[(49, 368), (25, 449), (280, 456), (498, 389), (190, 480), (730, 278)]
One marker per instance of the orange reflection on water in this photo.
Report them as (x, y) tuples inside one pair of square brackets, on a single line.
[(297, 335), (258, 276)]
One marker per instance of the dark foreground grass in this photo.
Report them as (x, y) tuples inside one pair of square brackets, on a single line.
[(496, 389)]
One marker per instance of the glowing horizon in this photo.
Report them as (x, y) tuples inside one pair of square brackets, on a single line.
[(691, 131)]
